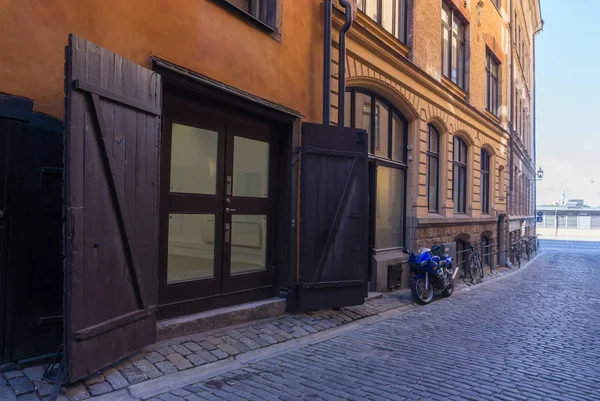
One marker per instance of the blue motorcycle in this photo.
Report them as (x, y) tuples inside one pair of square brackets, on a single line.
[(430, 273)]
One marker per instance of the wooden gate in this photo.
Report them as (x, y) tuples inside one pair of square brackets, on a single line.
[(334, 213), (112, 117)]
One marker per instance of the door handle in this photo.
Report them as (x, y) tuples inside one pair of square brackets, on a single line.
[(227, 233), (229, 210)]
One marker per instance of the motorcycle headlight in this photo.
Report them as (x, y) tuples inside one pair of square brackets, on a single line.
[(423, 263)]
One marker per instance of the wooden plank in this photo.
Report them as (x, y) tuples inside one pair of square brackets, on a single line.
[(118, 197), (335, 225), (112, 324), (116, 97)]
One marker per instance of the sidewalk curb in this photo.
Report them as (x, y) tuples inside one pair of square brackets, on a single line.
[(164, 384)]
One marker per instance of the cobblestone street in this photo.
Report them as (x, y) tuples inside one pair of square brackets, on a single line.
[(534, 335)]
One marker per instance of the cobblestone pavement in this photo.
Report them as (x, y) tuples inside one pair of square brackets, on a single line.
[(169, 357), (531, 336)]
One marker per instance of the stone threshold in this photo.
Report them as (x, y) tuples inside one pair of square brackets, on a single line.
[(218, 318)]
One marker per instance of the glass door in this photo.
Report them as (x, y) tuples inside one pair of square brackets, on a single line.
[(216, 189)]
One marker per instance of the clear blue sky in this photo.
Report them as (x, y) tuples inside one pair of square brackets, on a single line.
[(568, 100)]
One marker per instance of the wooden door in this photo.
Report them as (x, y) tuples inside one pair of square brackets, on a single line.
[(112, 118), (217, 186), (334, 217)]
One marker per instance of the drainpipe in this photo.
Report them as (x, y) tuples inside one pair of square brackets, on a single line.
[(342, 65), (510, 136), (327, 64), (537, 31)]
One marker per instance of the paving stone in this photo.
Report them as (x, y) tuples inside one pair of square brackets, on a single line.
[(207, 345), (134, 375), (180, 392), (28, 397), (6, 394), (3, 381), (180, 349), (34, 372), (21, 385), (179, 361), (116, 379), (44, 389), (100, 388), (147, 369), (166, 367), (13, 374), (97, 378), (170, 397), (164, 350), (228, 348), (77, 393), (154, 357)]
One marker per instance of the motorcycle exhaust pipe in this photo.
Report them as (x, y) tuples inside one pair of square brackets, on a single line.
[(454, 272)]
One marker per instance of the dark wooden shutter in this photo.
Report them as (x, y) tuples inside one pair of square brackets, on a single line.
[(334, 224), (112, 117)]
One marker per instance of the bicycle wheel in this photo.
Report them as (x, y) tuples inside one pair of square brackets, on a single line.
[(470, 267), (479, 267)]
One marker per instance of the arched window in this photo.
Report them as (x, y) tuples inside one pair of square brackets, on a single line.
[(433, 168), (387, 129), (459, 175), (485, 182)]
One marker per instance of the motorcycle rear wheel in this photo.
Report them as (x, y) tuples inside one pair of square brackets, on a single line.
[(448, 291), (421, 294)]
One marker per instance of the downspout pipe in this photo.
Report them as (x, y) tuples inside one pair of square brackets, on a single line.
[(540, 28), (342, 60), (508, 245), (327, 64)]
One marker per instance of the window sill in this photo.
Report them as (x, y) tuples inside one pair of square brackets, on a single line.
[(492, 116), (455, 89), (249, 18), (370, 34)]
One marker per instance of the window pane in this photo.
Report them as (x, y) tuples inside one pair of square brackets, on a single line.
[(445, 14), (432, 183), (248, 243), (400, 30), (461, 65), (362, 112), (398, 132), (371, 9), (455, 186), (382, 118), (445, 49), (387, 15), (193, 160), (348, 109), (433, 141), (250, 168), (389, 220), (454, 72), (191, 247)]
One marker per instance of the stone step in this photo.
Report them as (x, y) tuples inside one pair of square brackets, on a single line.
[(218, 318)]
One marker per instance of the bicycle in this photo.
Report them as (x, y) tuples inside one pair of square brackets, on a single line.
[(516, 252), (527, 245), (475, 265)]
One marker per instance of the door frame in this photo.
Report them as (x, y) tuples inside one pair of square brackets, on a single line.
[(184, 85), (228, 126), (6, 181)]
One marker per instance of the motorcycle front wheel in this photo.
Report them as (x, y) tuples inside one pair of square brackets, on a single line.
[(421, 294)]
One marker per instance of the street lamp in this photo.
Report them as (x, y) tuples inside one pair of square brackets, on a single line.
[(539, 174)]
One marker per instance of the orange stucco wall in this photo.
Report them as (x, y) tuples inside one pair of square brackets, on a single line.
[(197, 34)]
